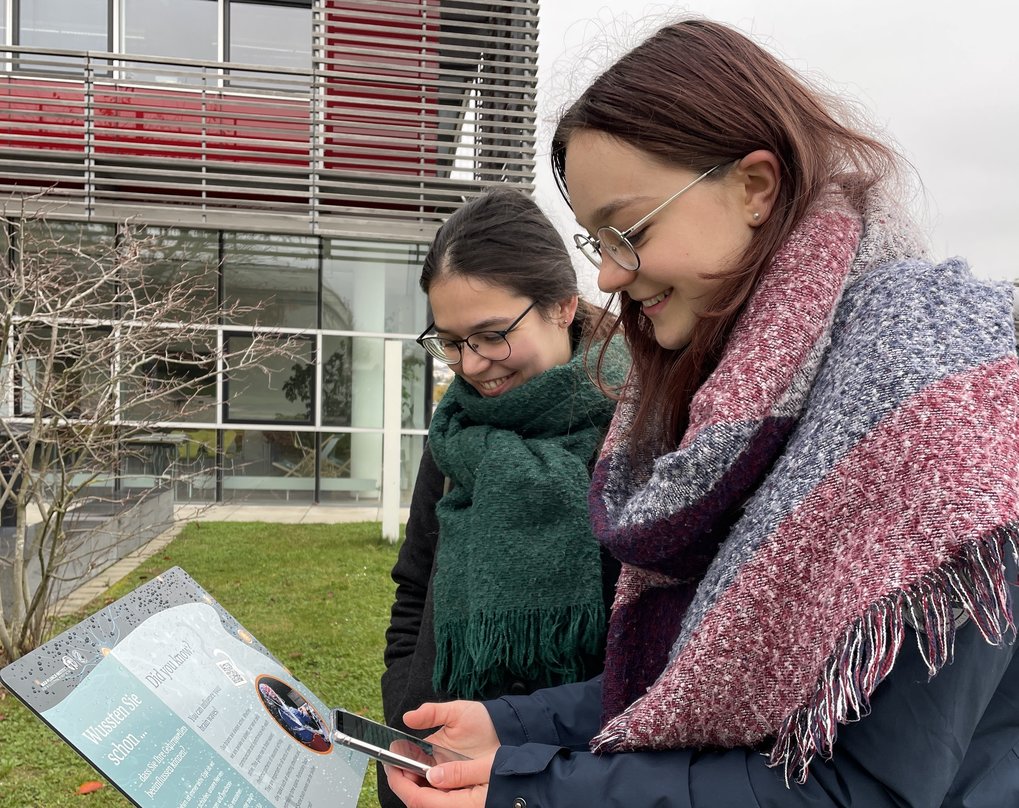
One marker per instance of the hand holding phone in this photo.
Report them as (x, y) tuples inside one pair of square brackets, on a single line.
[(388, 745)]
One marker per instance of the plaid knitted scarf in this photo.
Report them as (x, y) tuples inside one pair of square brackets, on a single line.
[(518, 587), (849, 466)]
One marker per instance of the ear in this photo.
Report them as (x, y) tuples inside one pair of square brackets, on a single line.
[(760, 175), (566, 311)]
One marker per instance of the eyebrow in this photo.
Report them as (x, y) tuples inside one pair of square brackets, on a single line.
[(605, 212)]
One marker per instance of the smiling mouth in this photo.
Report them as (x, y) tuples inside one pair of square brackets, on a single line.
[(654, 301), (493, 384)]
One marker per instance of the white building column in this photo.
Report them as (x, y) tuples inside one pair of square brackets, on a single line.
[(392, 417)]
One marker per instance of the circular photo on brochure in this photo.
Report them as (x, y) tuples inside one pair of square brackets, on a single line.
[(294, 713)]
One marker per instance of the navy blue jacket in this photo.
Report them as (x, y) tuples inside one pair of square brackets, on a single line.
[(950, 741)]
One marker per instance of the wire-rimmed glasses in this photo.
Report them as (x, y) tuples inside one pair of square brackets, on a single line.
[(617, 242), (491, 345)]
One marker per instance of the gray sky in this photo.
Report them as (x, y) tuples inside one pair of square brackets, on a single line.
[(940, 78)]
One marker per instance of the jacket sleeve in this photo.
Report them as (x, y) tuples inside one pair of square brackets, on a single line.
[(412, 575), (910, 750)]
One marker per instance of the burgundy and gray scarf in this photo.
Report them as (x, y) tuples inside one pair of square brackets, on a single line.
[(850, 466)]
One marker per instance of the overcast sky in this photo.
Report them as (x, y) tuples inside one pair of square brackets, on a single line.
[(940, 78)]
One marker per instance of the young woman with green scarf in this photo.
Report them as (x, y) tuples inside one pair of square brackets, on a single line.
[(501, 585)]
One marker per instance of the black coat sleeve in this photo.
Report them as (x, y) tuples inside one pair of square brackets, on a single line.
[(410, 644), (410, 617)]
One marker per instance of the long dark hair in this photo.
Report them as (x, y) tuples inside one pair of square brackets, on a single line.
[(504, 239), (698, 94)]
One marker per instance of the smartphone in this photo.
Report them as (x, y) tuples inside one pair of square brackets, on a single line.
[(389, 745)]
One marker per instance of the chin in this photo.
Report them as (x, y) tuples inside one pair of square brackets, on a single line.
[(672, 342)]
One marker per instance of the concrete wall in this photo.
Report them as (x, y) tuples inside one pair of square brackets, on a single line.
[(97, 538)]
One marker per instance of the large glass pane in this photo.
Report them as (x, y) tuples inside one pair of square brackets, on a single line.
[(275, 387), (182, 263), (177, 385), (65, 24), (270, 35), (150, 458), (413, 388), (268, 466), (352, 381), (65, 370), (372, 286), (275, 277), (411, 449), (350, 467), (71, 266), (185, 29)]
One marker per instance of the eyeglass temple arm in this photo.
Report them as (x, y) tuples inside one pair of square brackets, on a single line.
[(685, 188)]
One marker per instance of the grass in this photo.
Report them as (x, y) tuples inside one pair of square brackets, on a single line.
[(317, 596)]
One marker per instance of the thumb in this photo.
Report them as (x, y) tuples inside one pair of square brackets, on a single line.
[(429, 714), (461, 773)]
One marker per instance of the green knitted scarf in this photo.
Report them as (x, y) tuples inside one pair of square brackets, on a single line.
[(517, 587)]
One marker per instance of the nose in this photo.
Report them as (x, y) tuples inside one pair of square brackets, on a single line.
[(613, 278), (471, 363)]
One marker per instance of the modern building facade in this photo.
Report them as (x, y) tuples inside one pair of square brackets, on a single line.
[(302, 152)]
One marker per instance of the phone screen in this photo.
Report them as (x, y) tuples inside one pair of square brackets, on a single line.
[(389, 745)]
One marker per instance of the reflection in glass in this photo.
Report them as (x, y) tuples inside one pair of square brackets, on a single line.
[(268, 392), (352, 381), (413, 387), (64, 24), (68, 372), (351, 467), (277, 36), (276, 276), (372, 286), (183, 29), (171, 257), (179, 385), (70, 258)]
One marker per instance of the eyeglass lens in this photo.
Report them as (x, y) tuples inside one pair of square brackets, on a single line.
[(490, 345)]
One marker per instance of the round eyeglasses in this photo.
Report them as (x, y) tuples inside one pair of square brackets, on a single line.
[(491, 345), (617, 242)]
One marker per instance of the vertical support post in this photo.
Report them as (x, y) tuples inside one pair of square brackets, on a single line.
[(392, 419)]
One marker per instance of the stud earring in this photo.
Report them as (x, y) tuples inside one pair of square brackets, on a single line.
[(757, 216)]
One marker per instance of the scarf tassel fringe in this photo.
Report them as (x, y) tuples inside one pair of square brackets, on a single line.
[(478, 654), (974, 584)]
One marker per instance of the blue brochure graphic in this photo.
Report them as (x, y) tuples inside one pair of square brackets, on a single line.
[(177, 705)]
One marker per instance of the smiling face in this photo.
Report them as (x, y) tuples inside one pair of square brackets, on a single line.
[(683, 249), (462, 306)]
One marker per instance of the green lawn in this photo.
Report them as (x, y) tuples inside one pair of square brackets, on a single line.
[(323, 613)]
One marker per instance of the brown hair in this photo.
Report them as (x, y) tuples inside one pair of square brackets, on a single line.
[(504, 239), (698, 94)]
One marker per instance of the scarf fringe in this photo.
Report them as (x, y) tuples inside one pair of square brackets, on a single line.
[(973, 584), (481, 651)]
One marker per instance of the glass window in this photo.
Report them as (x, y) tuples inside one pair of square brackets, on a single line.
[(72, 265), (66, 24), (275, 388), (171, 257), (67, 371), (413, 416), (177, 385), (275, 277), (183, 29), (350, 467), (270, 35), (372, 286), (268, 466), (352, 381)]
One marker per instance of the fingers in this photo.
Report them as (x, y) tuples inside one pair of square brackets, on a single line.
[(431, 715), (413, 795), (461, 773)]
